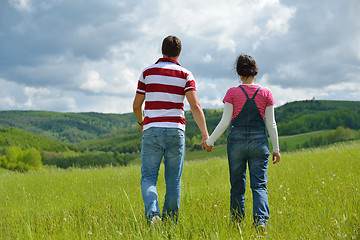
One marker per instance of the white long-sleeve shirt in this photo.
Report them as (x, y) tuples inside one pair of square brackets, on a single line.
[(226, 119)]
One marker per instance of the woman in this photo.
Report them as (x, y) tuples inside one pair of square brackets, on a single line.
[(246, 107)]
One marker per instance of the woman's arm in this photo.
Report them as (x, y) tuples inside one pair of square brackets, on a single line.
[(222, 125), (272, 128)]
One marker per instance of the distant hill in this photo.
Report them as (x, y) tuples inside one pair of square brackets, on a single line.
[(313, 115), (96, 139), (119, 132), (293, 110), (67, 127), (16, 137), (292, 118)]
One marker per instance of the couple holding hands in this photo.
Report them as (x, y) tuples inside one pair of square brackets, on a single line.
[(248, 108)]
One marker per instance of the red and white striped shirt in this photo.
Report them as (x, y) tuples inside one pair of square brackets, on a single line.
[(164, 85)]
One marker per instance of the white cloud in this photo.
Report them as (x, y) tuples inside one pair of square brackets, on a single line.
[(87, 55), (48, 99), (22, 5), (344, 91), (107, 104), (207, 58), (11, 93), (20, 97), (291, 71), (108, 77), (279, 21), (94, 82)]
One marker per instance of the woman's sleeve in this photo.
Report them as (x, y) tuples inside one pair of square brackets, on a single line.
[(271, 127), (222, 125)]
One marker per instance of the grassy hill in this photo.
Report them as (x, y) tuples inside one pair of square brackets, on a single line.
[(16, 137), (67, 127), (307, 116), (292, 118), (116, 137), (293, 110)]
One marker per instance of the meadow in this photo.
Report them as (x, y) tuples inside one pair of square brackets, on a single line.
[(313, 194)]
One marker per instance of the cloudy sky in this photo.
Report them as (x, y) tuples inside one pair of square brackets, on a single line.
[(87, 55)]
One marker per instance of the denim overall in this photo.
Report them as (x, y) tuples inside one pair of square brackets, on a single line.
[(247, 143)]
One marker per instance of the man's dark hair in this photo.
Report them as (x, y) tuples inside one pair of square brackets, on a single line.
[(171, 46), (246, 66)]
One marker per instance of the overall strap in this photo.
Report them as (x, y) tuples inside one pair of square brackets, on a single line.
[(255, 93), (247, 96), (244, 91)]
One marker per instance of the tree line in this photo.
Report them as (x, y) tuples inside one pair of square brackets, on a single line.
[(88, 159), (120, 146), (341, 134), (21, 160)]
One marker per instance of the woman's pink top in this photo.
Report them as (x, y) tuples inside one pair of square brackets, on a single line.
[(237, 98)]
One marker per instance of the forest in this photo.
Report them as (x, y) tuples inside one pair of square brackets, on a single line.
[(95, 139)]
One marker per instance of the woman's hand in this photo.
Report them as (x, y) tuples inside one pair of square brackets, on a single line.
[(276, 157)]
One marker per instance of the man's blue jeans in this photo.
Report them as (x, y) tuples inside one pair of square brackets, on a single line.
[(248, 147), (156, 144)]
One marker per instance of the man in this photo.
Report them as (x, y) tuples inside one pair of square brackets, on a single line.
[(163, 86)]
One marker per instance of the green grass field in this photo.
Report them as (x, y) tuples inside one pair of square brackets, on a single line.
[(313, 194), (294, 140)]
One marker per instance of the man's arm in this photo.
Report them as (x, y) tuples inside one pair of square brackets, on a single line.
[(197, 112), (137, 108)]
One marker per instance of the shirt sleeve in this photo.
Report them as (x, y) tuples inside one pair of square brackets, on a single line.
[(141, 85), (272, 128), (270, 99), (190, 83), (222, 125), (228, 97)]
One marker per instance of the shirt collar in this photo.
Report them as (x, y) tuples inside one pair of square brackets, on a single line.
[(168, 60)]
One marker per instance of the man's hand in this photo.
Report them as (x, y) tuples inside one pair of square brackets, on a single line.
[(276, 157), (205, 146), (137, 109)]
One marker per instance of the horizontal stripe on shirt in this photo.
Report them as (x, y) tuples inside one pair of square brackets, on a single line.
[(165, 97), (164, 88), (180, 120), (180, 82), (165, 72), (141, 85), (165, 125), (164, 113), (163, 105), (190, 85), (140, 91)]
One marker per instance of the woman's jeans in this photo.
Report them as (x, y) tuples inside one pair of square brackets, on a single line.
[(247, 145), (156, 144)]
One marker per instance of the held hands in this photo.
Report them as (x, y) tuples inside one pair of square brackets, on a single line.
[(205, 146)]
